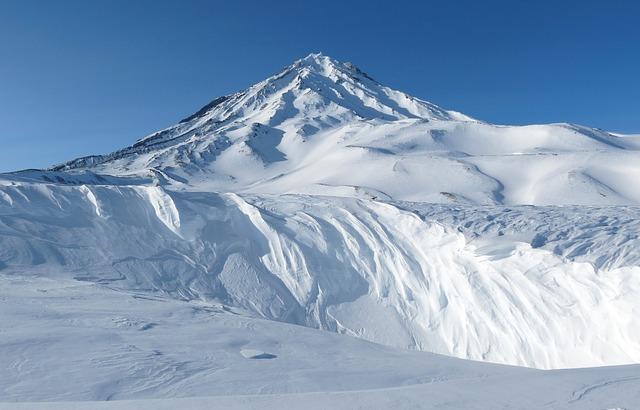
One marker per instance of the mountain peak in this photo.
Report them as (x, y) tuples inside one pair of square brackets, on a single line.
[(317, 59), (316, 62), (316, 93), (325, 65), (314, 57), (321, 126)]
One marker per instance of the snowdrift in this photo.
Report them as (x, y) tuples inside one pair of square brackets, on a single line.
[(379, 271)]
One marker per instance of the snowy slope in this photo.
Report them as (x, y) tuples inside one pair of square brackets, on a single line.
[(69, 345), (324, 127)]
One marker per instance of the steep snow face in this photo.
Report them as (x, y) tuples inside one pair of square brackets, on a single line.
[(370, 269), (325, 127)]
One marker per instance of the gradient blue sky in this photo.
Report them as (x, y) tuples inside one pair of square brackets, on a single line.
[(86, 77)]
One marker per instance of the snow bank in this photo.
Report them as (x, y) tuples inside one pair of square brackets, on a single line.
[(375, 270)]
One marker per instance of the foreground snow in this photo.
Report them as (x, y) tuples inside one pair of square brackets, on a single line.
[(68, 343)]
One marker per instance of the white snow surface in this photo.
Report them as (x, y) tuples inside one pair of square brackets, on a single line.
[(70, 345), (380, 271), (199, 265), (324, 127)]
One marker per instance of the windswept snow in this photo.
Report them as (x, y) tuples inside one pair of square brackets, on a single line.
[(380, 271), (76, 345), (181, 265)]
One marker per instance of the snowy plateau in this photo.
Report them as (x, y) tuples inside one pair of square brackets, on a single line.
[(319, 240)]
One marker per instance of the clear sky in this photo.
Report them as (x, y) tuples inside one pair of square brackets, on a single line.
[(88, 77)]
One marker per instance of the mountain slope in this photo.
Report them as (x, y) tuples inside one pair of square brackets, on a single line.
[(324, 127)]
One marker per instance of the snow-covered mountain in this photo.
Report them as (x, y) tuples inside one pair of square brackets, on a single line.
[(324, 127), (322, 198)]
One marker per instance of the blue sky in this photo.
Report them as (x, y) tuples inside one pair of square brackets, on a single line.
[(85, 77)]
